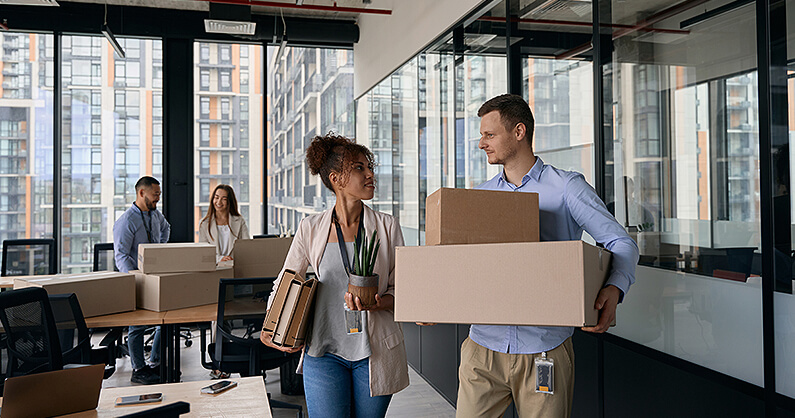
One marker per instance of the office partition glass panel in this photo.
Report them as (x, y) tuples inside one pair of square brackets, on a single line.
[(375, 120), (435, 126), (310, 93), (112, 134), (477, 78), (557, 92), (683, 178), (228, 124), (26, 135), (783, 174), (405, 118)]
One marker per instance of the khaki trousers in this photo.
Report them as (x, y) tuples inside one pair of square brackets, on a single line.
[(489, 381)]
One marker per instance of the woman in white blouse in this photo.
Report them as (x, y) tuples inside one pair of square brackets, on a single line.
[(223, 224)]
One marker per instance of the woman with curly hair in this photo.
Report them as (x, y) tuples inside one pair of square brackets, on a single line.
[(347, 374)]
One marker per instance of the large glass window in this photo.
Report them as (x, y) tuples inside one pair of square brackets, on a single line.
[(26, 133), (682, 175), (311, 93), (223, 113), (112, 135)]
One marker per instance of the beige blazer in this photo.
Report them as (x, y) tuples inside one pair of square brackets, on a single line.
[(236, 224), (388, 366)]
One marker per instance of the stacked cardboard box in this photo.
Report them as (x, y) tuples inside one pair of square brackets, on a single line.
[(288, 316), (99, 293), (261, 257), (177, 275), (502, 274)]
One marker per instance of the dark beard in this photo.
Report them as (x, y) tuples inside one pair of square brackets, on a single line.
[(149, 204)]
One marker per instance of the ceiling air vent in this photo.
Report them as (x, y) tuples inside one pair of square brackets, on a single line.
[(229, 27), (30, 2)]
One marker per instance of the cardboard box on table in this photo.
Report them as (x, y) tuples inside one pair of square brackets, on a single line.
[(99, 293), (468, 216), (167, 291), (176, 257), (260, 257), (289, 315), (539, 283)]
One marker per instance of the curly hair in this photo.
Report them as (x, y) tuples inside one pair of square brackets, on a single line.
[(334, 153)]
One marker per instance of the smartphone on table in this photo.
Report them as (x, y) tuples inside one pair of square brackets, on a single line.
[(219, 387), (136, 399)]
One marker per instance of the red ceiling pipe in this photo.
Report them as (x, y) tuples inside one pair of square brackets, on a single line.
[(642, 25), (582, 24), (333, 8)]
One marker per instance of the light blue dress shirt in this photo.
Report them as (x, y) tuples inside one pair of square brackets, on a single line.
[(567, 206), (130, 230)]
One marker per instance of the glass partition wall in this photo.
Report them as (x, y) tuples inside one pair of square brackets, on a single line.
[(678, 160)]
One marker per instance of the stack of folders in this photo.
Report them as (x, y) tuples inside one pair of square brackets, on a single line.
[(288, 317)]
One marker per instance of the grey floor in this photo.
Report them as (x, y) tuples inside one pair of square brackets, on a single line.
[(419, 400)]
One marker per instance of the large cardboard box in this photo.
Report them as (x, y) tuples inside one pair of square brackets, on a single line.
[(539, 283), (289, 316), (176, 257), (99, 293), (260, 257), (167, 291), (467, 216)]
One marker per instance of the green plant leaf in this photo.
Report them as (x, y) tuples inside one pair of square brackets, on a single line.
[(355, 255), (372, 262)]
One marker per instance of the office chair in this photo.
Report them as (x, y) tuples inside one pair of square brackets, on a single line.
[(171, 410), (28, 257), (104, 259), (31, 335), (242, 304), (70, 321)]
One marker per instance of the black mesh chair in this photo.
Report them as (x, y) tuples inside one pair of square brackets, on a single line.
[(31, 335), (242, 304), (172, 410), (74, 336), (28, 257), (104, 259)]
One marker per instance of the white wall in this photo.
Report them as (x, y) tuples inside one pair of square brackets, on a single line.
[(387, 41)]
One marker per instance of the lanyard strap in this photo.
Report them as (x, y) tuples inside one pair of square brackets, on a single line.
[(143, 221), (341, 240)]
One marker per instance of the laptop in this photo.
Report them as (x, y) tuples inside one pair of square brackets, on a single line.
[(53, 393)]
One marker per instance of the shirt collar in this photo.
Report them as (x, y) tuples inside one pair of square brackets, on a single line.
[(534, 173)]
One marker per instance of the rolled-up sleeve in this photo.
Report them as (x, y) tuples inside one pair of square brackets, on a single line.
[(592, 215)]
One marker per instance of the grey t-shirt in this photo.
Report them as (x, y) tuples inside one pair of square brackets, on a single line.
[(328, 334)]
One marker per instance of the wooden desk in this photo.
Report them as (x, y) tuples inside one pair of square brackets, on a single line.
[(203, 313), (249, 398), (6, 283), (124, 319)]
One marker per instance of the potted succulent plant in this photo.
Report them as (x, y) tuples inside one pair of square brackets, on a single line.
[(362, 282)]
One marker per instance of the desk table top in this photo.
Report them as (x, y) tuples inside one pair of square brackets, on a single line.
[(248, 399)]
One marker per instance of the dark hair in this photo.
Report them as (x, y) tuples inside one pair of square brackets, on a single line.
[(145, 181), (334, 153), (231, 200), (513, 110)]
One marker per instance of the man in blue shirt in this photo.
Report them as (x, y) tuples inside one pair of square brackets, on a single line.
[(141, 223), (498, 362)]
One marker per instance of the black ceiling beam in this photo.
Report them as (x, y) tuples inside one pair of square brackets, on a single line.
[(187, 24)]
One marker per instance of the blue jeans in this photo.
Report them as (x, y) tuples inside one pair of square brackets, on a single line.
[(135, 345), (336, 387)]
